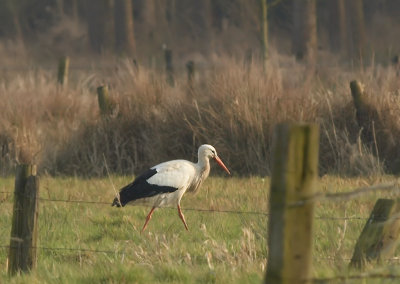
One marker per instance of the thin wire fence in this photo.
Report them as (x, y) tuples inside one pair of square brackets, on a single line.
[(109, 204), (189, 209), (123, 251), (362, 276), (69, 249), (319, 197), (333, 197)]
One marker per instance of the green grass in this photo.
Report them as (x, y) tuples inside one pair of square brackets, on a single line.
[(219, 248)]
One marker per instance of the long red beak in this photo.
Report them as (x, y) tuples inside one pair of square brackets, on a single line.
[(222, 165)]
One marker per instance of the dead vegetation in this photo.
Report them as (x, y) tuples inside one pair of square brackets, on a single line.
[(230, 105)]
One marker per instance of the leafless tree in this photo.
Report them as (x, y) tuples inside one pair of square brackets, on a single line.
[(305, 30), (124, 27), (337, 25)]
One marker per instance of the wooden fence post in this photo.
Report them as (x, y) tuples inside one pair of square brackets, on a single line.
[(369, 121), (22, 253), (357, 92), (63, 66), (105, 104), (379, 238), (190, 73), (294, 171), (168, 66)]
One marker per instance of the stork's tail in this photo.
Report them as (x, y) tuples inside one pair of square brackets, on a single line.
[(116, 202)]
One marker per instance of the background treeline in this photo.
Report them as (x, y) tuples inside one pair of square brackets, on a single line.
[(139, 28)]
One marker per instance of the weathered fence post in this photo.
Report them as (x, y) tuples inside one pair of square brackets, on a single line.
[(63, 66), (190, 73), (294, 171), (371, 125), (379, 238), (22, 253), (366, 113), (168, 66), (105, 104), (357, 93)]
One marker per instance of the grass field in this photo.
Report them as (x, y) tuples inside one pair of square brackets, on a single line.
[(232, 103), (219, 248)]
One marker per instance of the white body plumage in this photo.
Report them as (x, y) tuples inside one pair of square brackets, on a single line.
[(164, 184)]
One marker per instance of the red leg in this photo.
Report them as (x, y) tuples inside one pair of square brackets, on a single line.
[(148, 218), (182, 217)]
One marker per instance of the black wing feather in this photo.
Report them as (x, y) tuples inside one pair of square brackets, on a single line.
[(140, 188)]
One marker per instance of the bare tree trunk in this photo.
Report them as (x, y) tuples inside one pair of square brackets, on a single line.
[(19, 37), (96, 19), (124, 27), (149, 29), (208, 25), (337, 25), (60, 7), (171, 10), (70, 8), (109, 26), (74, 7), (305, 30), (264, 33), (149, 16), (218, 15), (200, 15), (357, 28)]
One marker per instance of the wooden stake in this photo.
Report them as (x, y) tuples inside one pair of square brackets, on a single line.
[(295, 169), (104, 100), (168, 66), (63, 67), (368, 120), (379, 238), (190, 73), (357, 93), (22, 254)]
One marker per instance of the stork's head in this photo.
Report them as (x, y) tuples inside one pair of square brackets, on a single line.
[(209, 152)]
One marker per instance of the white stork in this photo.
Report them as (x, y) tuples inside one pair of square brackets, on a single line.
[(164, 184)]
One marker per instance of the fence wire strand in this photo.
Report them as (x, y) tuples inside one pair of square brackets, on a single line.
[(396, 258), (109, 204), (69, 249), (194, 209), (319, 197), (347, 196), (341, 278), (190, 209)]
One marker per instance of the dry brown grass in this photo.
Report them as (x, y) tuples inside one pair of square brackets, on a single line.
[(232, 106)]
